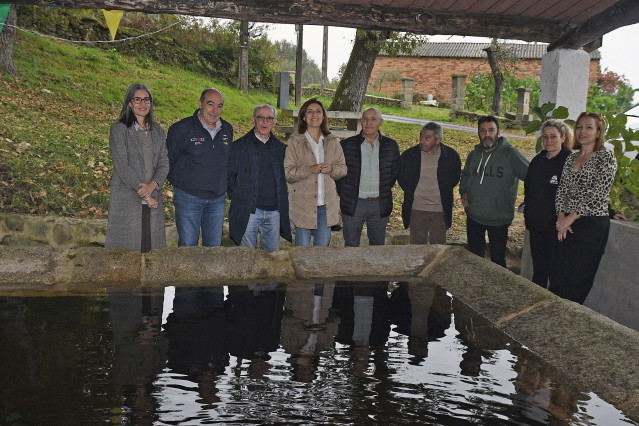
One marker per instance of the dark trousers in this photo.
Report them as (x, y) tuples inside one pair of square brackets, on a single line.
[(145, 243), (497, 238), (576, 259), (366, 211), (542, 249)]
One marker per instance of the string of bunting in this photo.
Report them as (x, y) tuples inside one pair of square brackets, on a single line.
[(96, 41)]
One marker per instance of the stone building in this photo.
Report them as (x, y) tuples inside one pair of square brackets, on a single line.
[(431, 65)]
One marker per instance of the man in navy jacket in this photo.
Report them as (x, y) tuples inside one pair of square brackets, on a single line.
[(198, 152), (428, 175), (257, 185)]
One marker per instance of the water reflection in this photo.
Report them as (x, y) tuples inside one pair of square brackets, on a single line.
[(320, 352)]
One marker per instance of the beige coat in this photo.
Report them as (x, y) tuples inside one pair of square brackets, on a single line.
[(302, 189)]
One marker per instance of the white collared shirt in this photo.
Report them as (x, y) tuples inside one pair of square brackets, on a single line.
[(318, 150)]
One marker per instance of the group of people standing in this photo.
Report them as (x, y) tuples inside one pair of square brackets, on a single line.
[(275, 188)]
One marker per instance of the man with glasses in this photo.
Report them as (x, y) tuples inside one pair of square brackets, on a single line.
[(257, 185), (198, 152)]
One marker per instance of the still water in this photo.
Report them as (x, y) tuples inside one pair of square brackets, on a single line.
[(307, 353)]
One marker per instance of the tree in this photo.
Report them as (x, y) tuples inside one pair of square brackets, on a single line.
[(310, 71), (613, 93), (7, 36), (351, 89), (499, 56)]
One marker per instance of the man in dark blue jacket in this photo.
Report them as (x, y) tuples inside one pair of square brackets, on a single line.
[(428, 175), (198, 152), (365, 192), (257, 185)]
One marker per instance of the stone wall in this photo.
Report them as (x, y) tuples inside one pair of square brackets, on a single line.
[(433, 75)]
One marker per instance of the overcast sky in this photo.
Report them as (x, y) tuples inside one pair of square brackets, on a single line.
[(616, 52)]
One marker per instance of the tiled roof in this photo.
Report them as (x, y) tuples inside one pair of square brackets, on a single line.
[(475, 50)]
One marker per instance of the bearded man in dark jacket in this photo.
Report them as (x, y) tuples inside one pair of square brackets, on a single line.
[(372, 160)]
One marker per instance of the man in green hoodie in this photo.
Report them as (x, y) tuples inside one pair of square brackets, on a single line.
[(488, 190)]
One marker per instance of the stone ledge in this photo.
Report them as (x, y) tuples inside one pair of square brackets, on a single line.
[(585, 345)]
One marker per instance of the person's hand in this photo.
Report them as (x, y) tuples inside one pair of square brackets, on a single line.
[(561, 235), (325, 168), (464, 199), (316, 169), (619, 216), (152, 202), (146, 189)]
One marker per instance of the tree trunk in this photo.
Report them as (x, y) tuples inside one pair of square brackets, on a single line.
[(499, 80), (350, 92), (6, 43)]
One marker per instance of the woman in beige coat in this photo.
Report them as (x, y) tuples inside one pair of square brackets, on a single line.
[(314, 161)]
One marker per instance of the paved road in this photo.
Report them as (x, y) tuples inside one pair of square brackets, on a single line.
[(451, 126)]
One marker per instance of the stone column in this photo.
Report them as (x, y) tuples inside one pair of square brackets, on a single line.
[(458, 95), (564, 79), (407, 93), (523, 106), (281, 80)]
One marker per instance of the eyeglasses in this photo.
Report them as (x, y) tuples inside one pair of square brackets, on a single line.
[(264, 119), (137, 100)]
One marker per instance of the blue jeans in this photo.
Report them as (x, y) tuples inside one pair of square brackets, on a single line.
[(267, 223), (193, 213), (321, 235)]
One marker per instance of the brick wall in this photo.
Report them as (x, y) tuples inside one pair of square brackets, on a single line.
[(433, 75)]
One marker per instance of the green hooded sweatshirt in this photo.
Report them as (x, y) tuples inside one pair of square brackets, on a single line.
[(491, 179)]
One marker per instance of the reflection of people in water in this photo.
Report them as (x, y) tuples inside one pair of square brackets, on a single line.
[(365, 319), (411, 309), (196, 338), (308, 327), (140, 350), (253, 320)]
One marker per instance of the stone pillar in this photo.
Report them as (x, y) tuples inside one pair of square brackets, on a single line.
[(458, 95), (564, 79), (407, 93), (523, 106), (282, 81)]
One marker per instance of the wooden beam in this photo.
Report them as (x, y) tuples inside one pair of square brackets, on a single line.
[(622, 13), (364, 16)]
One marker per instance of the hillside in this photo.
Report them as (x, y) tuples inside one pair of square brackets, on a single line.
[(55, 118)]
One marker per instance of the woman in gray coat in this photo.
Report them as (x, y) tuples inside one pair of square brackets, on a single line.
[(140, 166)]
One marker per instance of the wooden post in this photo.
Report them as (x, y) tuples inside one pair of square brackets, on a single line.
[(325, 59), (298, 64), (244, 46)]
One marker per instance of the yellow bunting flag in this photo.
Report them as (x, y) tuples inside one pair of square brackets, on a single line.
[(113, 20)]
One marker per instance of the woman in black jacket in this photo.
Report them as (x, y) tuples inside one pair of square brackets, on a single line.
[(540, 188)]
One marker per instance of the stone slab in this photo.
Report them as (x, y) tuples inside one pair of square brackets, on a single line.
[(27, 265), (375, 261), (207, 265)]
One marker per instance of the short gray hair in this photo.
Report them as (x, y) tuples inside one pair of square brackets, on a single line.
[(438, 132), (265, 106)]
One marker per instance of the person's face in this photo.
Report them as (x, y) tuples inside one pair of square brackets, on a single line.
[(552, 140), (488, 134), (211, 108), (314, 116), (140, 104), (264, 121), (427, 141), (371, 122), (586, 131)]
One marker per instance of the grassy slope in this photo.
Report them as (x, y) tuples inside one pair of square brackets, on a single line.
[(67, 97)]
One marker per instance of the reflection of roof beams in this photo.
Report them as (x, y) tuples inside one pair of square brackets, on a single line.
[(625, 12), (563, 23)]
